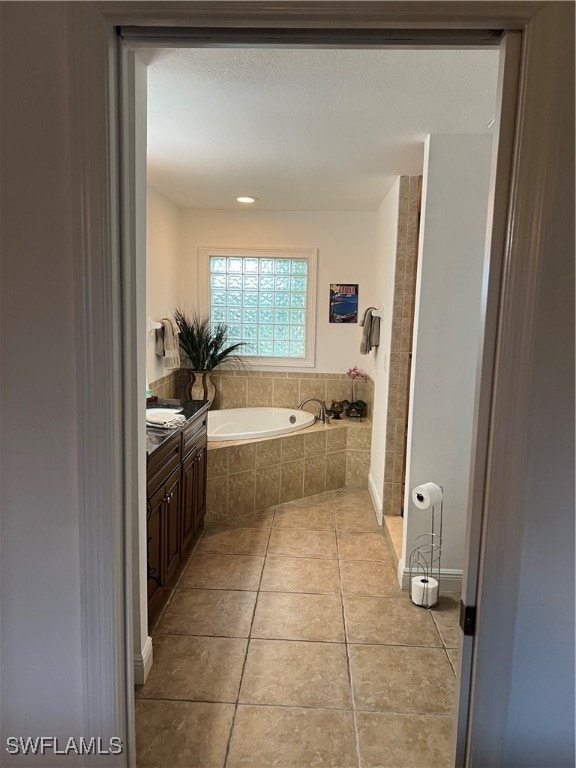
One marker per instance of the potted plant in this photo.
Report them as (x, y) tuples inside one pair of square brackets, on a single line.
[(356, 408), (203, 347)]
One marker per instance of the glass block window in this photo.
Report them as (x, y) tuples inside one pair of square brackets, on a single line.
[(266, 300)]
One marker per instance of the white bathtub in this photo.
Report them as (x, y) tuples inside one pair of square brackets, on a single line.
[(252, 423)]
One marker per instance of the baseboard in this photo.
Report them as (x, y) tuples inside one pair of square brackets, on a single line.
[(450, 578), (376, 500), (143, 662)]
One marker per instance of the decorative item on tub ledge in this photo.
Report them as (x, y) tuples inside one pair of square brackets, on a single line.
[(355, 409), (336, 409), (203, 347)]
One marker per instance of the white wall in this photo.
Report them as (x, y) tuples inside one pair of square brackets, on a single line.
[(162, 271), (41, 629), (386, 240), (447, 325), (346, 245)]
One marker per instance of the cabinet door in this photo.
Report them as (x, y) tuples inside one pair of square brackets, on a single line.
[(189, 472), (200, 503), (155, 560), (172, 525)]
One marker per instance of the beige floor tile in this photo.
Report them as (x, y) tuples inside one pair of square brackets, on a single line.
[(262, 518), (285, 737), (356, 520), (195, 668), (324, 499), (404, 741), (362, 546), (234, 541), (446, 616), (210, 571), (402, 680), (375, 578), (352, 498), (319, 518), (453, 658), (300, 574), (293, 616), (182, 734), (390, 621), (302, 543), (208, 612), (296, 674)]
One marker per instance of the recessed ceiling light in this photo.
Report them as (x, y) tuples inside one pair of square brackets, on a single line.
[(246, 199)]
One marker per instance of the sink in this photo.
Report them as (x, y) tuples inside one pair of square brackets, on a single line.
[(161, 411)]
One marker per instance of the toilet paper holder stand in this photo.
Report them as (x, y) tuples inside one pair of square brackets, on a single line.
[(426, 554)]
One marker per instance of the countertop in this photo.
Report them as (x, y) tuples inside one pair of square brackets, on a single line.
[(191, 409)]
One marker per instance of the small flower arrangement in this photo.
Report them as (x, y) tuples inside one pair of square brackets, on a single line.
[(354, 373)]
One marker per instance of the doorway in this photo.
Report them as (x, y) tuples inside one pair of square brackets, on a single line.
[(500, 535), (198, 222)]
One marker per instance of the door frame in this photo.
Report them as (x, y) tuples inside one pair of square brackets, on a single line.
[(106, 308)]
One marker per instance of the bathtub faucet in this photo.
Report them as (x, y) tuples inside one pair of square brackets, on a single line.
[(324, 418)]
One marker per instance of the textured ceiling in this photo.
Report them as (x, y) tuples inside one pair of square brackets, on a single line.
[(305, 129)]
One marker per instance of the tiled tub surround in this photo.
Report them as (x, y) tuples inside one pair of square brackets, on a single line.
[(168, 387), (401, 344), (288, 643), (250, 388), (250, 476), (245, 476)]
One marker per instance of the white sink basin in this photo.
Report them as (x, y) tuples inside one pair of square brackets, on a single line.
[(161, 411)]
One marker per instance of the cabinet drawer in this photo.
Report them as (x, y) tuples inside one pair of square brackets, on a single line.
[(194, 435), (162, 462)]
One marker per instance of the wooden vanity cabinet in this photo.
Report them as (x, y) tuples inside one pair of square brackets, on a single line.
[(202, 462), (163, 478), (193, 479), (176, 502), (154, 517), (173, 543)]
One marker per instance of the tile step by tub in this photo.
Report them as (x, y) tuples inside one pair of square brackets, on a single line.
[(248, 476)]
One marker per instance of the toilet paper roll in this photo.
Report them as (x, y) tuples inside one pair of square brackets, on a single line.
[(424, 591), (426, 495)]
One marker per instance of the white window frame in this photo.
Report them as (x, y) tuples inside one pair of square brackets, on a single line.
[(310, 254)]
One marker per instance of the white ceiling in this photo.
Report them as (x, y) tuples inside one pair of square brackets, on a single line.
[(305, 129)]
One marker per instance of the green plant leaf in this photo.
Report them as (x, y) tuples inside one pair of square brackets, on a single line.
[(203, 348)]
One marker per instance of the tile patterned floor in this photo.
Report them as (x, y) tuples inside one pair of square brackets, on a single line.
[(287, 642)]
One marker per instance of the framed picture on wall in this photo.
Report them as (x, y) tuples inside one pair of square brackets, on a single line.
[(343, 302)]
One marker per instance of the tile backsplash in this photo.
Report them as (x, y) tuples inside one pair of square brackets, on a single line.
[(248, 388), (168, 386), (253, 388)]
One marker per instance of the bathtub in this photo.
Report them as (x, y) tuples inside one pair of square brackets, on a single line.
[(254, 423)]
